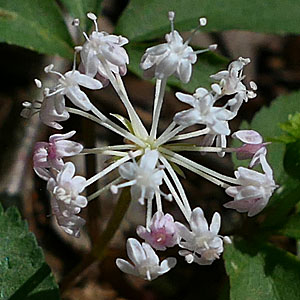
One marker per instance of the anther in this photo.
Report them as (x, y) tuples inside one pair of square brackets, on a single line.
[(76, 22), (202, 21), (38, 83)]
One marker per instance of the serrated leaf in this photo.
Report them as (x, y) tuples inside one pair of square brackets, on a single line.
[(144, 19), (292, 227), (79, 8), (36, 25), (23, 271), (261, 271), (207, 64), (124, 121)]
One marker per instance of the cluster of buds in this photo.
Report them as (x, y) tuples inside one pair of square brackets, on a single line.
[(147, 161)]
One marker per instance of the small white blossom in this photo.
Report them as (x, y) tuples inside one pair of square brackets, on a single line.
[(145, 261), (68, 85), (162, 232), (144, 178), (203, 112), (254, 191), (107, 46), (203, 245), (253, 146), (174, 57), (49, 155), (230, 82), (66, 201)]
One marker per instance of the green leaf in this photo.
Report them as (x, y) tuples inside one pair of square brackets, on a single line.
[(292, 159), (260, 271), (292, 227), (79, 8), (36, 25), (23, 271), (292, 128), (207, 64), (145, 20)]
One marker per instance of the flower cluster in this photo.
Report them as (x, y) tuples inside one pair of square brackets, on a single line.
[(146, 161)]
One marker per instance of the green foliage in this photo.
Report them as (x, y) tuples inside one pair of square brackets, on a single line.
[(23, 271), (36, 25), (79, 9), (291, 128), (260, 271), (207, 64), (292, 227), (145, 20), (292, 159)]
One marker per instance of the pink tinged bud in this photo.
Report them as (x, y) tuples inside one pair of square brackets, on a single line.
[(162, 232), (253, 146), (49, 155)]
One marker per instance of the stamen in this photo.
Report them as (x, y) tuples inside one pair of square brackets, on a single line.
[(93, 17), (253, 85), (115, 188), (171, 15), (202, 22), (38, 83), (76, 22), (49, 69)]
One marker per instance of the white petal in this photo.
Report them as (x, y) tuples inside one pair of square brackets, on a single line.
[(87, 81), (128, 170), (66, 174), (152, 258), (185, 98), (135, 251), (185, 71), (78, 97), (198, 222), (215, 223), (149, 160), (126, 267), (248, 136), (167, 264)]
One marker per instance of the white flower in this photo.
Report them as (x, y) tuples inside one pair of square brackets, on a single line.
[(68, 84), (203, 245), (253, 146), (231, 83), (146, 262), (107, 46), (49, 155), (144, 178), (203, 112), (174, 57), (162, 232), (66, 201), (254, 191)]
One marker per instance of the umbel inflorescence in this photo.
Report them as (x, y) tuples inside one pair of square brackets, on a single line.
[(146, 161)]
